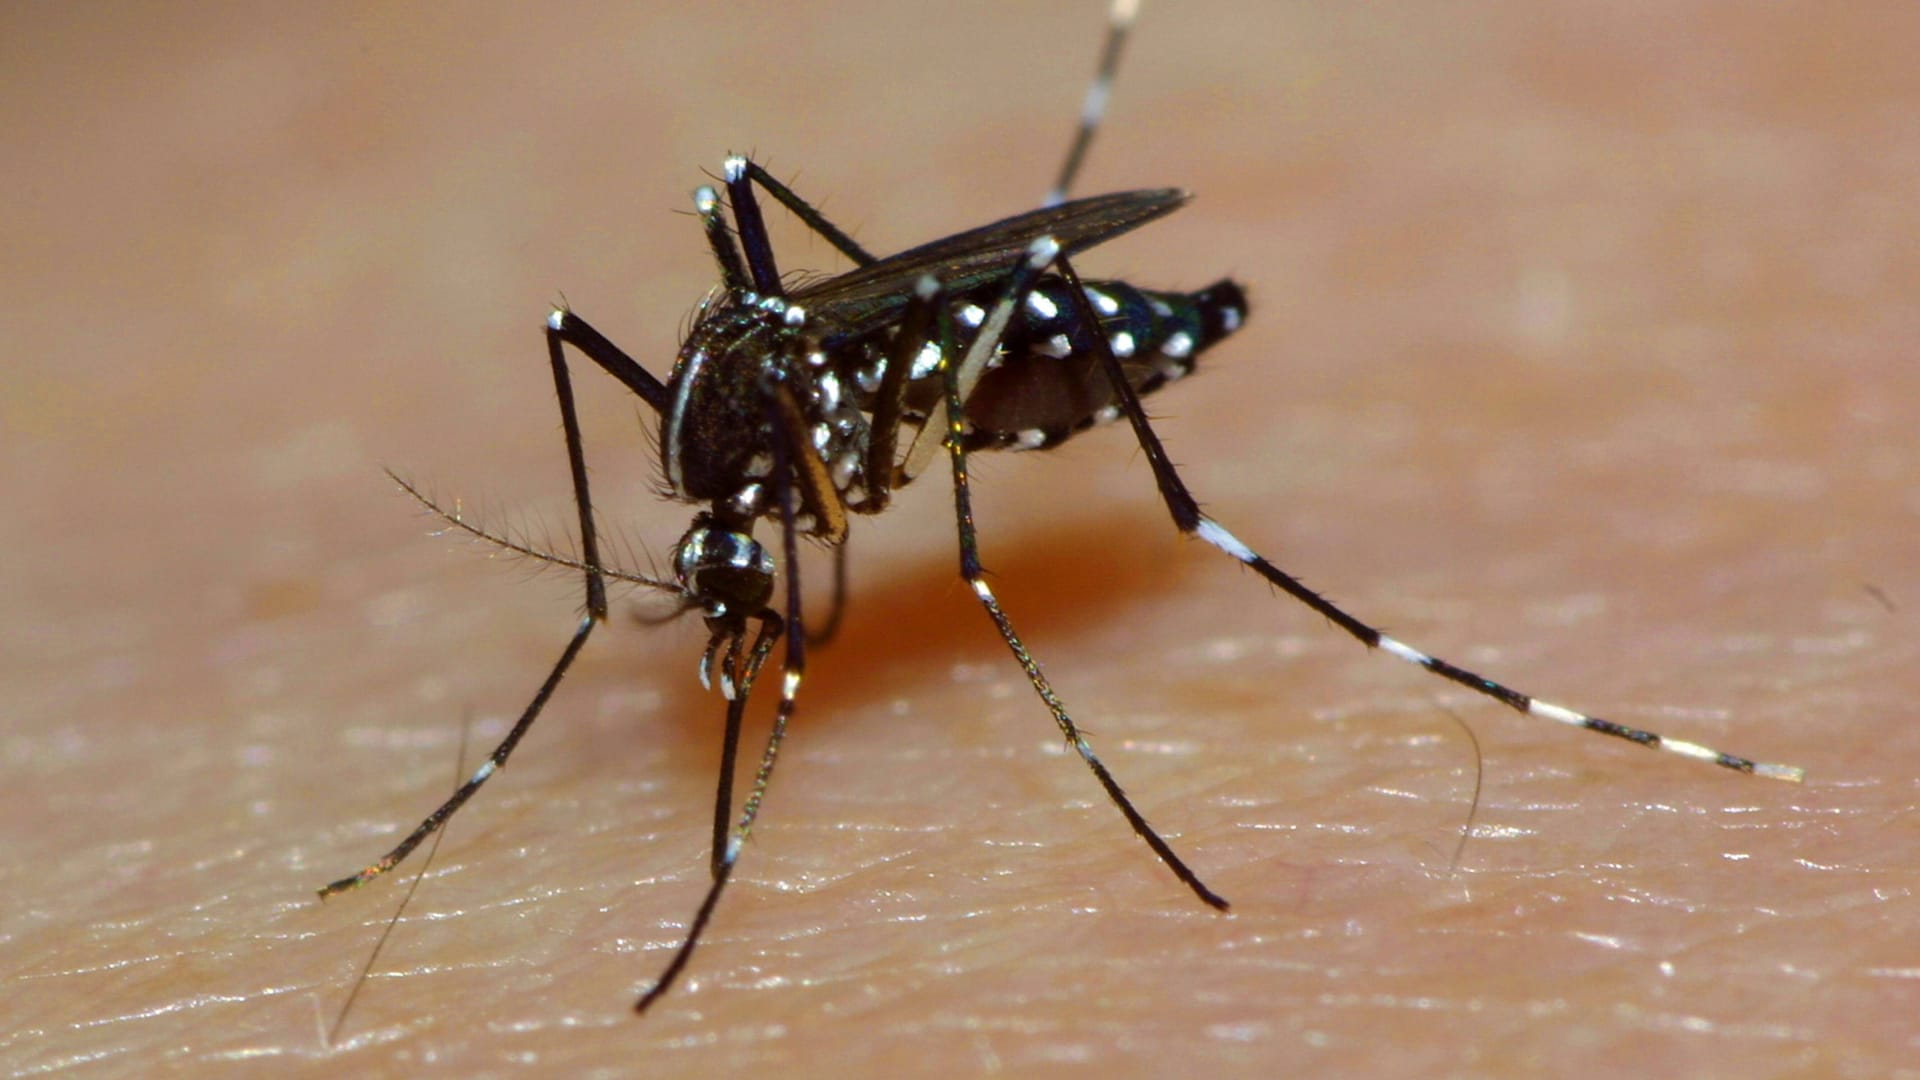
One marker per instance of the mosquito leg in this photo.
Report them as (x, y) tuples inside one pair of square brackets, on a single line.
[(1119, 22), (793, 669), (729, 759), (564, 326), (733, 272), (751, 228), (1188, 518), (561, 328), (800, 208), (975, 576), (736, 684), (916, 330), (831, 626)]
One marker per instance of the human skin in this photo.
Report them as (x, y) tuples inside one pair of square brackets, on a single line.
[(1580, 353)]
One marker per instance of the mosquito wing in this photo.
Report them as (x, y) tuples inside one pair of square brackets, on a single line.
[(874, 295)]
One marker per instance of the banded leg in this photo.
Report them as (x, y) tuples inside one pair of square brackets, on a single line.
[(1188, 518), (562, 327), (793, 669), (1043, 252), (1120, 19)]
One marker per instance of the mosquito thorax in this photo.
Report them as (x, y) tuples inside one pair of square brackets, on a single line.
[(716, 440), (727, 571)]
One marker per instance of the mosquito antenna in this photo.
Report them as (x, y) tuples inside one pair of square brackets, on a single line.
[(455, 516)]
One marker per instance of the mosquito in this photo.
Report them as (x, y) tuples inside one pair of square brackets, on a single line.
[(804, 406)]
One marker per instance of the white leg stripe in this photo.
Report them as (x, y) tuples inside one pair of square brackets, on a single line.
[(791, 686), (981, 590), (1210, 531), (1096, 104), (480, 775), (1689, 749), (1792, 774), (1404, 651), (1561, 713)]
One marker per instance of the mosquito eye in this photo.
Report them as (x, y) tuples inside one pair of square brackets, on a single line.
[(729, 573)]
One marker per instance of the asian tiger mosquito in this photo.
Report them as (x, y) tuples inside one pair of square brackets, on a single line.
[(791, 403)]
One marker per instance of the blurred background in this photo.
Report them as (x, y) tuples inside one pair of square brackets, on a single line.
[(1580, 351)]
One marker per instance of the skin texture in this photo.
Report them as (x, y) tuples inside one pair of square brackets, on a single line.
[(1580, 353)]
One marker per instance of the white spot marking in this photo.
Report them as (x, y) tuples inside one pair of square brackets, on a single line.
[(1178, 345), (1041, 306), (972, 315), (927, 362), (1102, 303), (1107, 414), (1030, 439), (706, 201), (1229, 319), (1160, 307), (746, 501), (1122, 345), (843, 470), (1056, 346), (796, 316), (734, 169)]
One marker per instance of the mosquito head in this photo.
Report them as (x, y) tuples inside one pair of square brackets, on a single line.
[(726, 571)]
